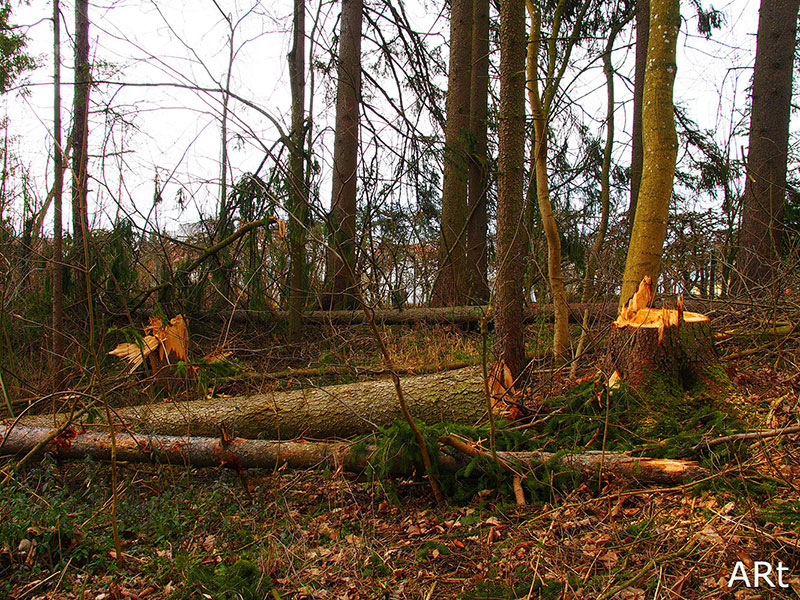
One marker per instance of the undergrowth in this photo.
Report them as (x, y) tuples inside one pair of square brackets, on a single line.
[(589, 417)]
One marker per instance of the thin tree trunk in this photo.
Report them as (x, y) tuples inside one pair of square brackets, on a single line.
[(509, 344), (660, 150), (540, 118), (58, 185), (298, 194), (637, 142), (80, 134), (451, 285), (338, 281), (605, 196), (761, 238), (477, 226)]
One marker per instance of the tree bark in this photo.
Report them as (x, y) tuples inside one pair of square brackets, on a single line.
[(448, 314), (540, 113), (761, 238), (660, 149), (80, 135), (334, 411), (241, 453), (450, 288), (297, 283), (338, 275), (637, 141), (509, 345), (677, 355), (477, 226), (58, 188)]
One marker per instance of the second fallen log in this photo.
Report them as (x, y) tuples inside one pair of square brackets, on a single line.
[(244, 454)]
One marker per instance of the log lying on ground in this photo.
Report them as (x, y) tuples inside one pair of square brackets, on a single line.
[(327, 412), (244, 454), (456, 314)]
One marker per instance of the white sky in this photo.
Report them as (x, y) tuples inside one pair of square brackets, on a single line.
[(174, 134)]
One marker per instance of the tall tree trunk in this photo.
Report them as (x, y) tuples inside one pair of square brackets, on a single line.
[(660, 149), (298, 193), (637, 143), (58, 186), (761, 237), (451, 285), (477, 226), (509, 345), (80, 135), (340, 264)]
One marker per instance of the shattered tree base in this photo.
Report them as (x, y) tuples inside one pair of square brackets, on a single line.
[(664, 354)]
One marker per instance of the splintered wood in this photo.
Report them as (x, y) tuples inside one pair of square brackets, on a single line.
[(163, 345), (638, 313)]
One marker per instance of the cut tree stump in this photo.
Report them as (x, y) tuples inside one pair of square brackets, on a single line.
[(336, 411), (660, 352)]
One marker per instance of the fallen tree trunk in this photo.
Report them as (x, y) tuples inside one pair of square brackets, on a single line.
[(244, 454), (458, 315), (329, 412)]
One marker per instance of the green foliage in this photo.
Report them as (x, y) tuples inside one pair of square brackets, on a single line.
[(396, 449), (241, 581), (786, 513), (13, 60), (668, 431), (116, 249), (577, 423), (209, 372)]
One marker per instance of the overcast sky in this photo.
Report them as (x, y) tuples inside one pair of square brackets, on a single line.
[(173, 134)]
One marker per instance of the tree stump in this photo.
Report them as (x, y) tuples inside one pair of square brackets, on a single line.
[(661, 352)]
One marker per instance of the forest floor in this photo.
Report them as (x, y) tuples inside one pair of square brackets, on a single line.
[(211, 533)]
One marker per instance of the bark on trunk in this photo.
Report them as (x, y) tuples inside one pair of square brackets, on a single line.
[(341, 264), (455, 314), (334, 411), (297, 283), (451, 285), (660, 149), (477, 226), (637, 142), (660, 352), (760, 242), (245, 454), (678, 359), (509, 344), (605, 197), (58, 188), (80, 135)]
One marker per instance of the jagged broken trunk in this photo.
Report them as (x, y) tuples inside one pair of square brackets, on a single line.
[(661, 352)]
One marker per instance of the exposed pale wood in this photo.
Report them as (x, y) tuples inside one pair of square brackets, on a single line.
[(244, 453)]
